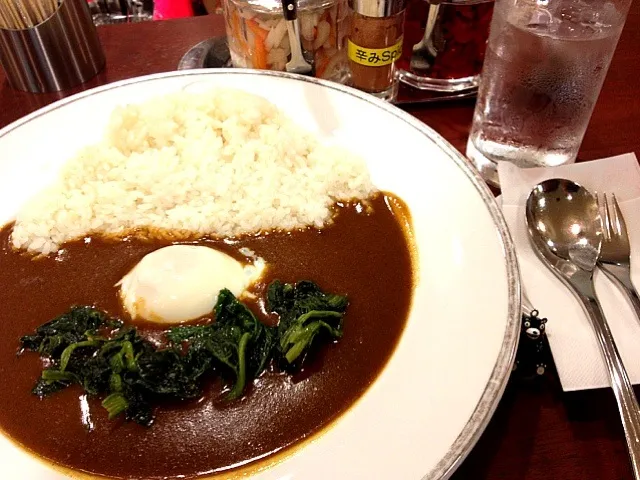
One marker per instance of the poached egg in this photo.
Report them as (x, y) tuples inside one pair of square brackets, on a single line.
[(179, 283)]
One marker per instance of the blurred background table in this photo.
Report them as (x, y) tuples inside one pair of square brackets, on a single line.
[(537, 432)]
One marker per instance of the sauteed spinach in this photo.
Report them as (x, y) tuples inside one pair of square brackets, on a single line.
[(85, 346), (305, 311)]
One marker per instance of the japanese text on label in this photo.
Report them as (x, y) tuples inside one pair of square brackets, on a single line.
[(374, 57)]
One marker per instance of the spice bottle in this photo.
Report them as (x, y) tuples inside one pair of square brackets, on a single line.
[(374, 44)]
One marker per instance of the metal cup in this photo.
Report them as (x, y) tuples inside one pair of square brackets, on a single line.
[(58, 54)]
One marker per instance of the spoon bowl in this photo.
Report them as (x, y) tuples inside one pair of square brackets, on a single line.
[(565, 223)]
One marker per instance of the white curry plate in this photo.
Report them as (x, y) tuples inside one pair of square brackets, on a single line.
[(432, 401)]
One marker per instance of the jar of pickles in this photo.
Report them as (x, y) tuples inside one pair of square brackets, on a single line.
[(258, 38)]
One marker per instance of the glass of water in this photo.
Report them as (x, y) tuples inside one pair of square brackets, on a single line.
[(543, 70)]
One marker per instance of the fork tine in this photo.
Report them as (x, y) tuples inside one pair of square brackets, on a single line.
[(604, 211), (600, 213), (618, 223)]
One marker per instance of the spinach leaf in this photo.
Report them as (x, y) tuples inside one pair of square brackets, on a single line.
[(229, 313), (237, 341), (78, 355), (66, 329), (306, 313)]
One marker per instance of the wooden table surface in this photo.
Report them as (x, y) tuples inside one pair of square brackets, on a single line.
[(537, 432)]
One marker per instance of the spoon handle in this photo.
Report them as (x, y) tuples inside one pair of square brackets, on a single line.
[(620, 383)]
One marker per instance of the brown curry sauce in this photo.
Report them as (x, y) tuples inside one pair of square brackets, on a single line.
[(365, 255)]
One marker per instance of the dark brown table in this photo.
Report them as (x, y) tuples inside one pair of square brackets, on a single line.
[(537, 432)]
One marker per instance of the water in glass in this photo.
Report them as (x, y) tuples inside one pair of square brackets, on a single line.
[(543, 70)]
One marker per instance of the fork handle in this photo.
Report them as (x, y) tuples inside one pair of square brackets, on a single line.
[(620, 383), (622, 277)]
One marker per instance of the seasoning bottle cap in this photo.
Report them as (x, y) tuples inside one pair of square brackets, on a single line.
[(377, 8), (275, 6)]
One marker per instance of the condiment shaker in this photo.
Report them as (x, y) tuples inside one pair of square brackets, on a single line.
[(374, 44)]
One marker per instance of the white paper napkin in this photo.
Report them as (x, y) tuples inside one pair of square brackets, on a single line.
[(573, 343)]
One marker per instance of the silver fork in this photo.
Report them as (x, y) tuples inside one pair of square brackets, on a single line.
[(616, 252)]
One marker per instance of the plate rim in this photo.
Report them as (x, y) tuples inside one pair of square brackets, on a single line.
[(497, 382)]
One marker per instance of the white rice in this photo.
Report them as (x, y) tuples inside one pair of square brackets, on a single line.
[(224, 163)]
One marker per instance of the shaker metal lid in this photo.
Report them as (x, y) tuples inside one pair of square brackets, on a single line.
[(377, 8), (274, 7)]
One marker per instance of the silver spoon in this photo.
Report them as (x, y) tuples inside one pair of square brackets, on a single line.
[(297, 64), (425, 51), (565, 228)]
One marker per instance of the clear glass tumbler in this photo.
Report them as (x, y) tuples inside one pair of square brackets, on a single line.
[(544, 66), (106, 12)]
